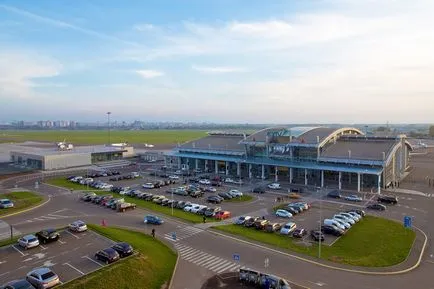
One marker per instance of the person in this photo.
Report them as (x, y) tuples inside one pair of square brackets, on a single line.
[(204, 219), (153, 233), (263, 217)]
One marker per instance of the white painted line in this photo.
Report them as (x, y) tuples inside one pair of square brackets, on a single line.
[(185, 251), (432, 262), (170, 239), (227, 268), (204, 260), (191, 253), (222, 266), (198, 256), (90, 259), (61, 242), (19, 251), (216, 264), (5, 273), (66, 231), (74, 268), (47, 218), (43, 248), (208, 263), (39, 219), (59, 216)]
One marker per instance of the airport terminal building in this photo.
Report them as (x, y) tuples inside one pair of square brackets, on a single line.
[(315, 156)]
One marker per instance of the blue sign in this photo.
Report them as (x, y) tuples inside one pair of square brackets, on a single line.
[(407, 222), (236, 257), (174, 236)]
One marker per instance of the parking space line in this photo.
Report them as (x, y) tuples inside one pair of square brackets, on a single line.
[(61, 242), (66, 231), (5, 273), (90, 259), (73, 268), (43, 248), (19, 251)]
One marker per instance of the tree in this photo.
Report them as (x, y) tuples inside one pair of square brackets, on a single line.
[(431, 130)]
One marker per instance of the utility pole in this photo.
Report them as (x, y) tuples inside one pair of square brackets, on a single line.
[(108, 128), (320, 221)]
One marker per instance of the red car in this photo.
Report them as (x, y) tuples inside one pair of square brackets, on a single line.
[(222, 215)]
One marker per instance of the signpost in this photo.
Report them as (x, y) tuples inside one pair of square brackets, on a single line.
[(174, 236), (407, 221), (236, 257)]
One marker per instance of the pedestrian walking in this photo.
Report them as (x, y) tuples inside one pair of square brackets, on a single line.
[(153, 233), (204, 219)]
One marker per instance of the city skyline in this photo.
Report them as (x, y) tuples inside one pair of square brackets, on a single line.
[(328, 61)]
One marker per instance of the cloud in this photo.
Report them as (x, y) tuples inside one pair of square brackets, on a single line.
[(65, 25), (149, 73), (218, 69), (144, 27)]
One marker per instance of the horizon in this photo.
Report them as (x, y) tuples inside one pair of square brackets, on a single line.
[(322, 62)]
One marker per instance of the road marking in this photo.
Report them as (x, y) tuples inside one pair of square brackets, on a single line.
[(61, 242), (200, 255), (204, 260), (66, 231), (223, 265), (74, 268), (19, 251), (320, 284), (90, 259), (62, 210), (5, 273), (432, 262), (43, 248)]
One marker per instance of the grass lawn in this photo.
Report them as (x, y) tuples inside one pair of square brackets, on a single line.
[(100, 136), (373, 242), (21, 200), (151, 269), (178, 213), (244, 198)]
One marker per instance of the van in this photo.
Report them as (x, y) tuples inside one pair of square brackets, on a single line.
[(331, 222)]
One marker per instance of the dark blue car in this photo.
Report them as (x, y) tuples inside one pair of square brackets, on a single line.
[(150, 219)]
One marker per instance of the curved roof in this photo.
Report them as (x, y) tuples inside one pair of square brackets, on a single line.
[(215, 142), (261, 135)]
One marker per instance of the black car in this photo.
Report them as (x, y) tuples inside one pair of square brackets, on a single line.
[(202, 211), (388, 199), (299, 233), (196, 194), (123, 249), (258, 190), (47, 236), (293, 210), (213, 199), (317, 235), (210, 212), (357, 211), (225, 195), (107, 256), (378, 207), (18, 284), (332, 230), (251, 222), (334, 194)]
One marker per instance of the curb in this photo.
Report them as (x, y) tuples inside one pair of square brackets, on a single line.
[(174, 270), (27, 210), (329, 266)]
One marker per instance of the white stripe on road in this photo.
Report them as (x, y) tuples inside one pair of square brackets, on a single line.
[(170, 239), (61, 242), (210, 262), (90, 259), (186, 251), (230, 268), (222, 266), (66, 231), (5, 273), (216, 264), (43, 248), (192, 252), (200, 255), (19, 251), (204, 260), (74, 268)]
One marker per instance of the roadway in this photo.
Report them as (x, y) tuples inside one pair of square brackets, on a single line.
[(65, 207)]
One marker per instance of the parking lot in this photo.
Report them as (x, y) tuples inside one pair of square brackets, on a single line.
[(70, 257)]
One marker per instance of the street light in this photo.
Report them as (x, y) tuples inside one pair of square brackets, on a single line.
[(320, 221), (108, 122)]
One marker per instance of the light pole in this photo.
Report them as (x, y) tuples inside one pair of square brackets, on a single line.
[(108, 128), (320, 221)]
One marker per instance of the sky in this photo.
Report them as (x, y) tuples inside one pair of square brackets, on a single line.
[(228, 61)]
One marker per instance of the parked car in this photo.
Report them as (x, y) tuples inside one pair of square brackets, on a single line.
[(272, 227), (298, 207), (210, 189), (221, 215), (174, 177), (180, 205), (154, 220), (283, 214), (148, 186), (188, 207), (235, 193), (216, 183), (229, 180), (197, 208), (196, 194), (6, 203), (388, 199), (214, 200), (274, 186), (18, 284), (261, 223), (351, 216), (331, 222), (356, 215), (334, 194), (78, 226), (225, 195), (353, 198), (358, 212), (343, 223), (288, 228), (107, 256), (378, 207), (241, 220), (317, 235), (292, 210), (202, 211), (299, 233), (211, 212), (332, 230), (341, 217), (250, 222), (43, 278), (28, 241), (88, 197), (258, 190), (205, 182), (294, 196), (47, 236), (123, 249)]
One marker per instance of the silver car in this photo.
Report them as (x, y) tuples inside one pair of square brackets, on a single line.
[(43, 278), (28, 241)]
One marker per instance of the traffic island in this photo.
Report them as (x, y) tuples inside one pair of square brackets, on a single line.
[(22, 201)]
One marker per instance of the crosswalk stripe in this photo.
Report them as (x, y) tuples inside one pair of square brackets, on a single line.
[(190, 229), (185, 251), (200, 255), (223, 265), (49, 218), (236, 268), (209, 262), (169, 238), (204, 260), (216, 264), (192, 252), (228, 268)]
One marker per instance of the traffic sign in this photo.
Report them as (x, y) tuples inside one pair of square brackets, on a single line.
[(174, 236), (407, 221), (236, 257)]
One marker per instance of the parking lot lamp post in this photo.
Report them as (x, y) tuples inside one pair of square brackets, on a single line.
[(172, 202), (320, 221)]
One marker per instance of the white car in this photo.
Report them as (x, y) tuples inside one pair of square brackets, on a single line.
[(188, 208), (238, 182), (204, 182), (135, 174), (343, 223), (197, 208), (354, 214), (229, 180), (283, 214), (274, 186), (288, 228), (353, 198), (344, 218), (43, 278), (173, 177), (78, 226), (148, 186), (28, 241), (351, 216), (235, 193)]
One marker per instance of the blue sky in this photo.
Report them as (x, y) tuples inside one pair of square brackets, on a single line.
[(223, 61)]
